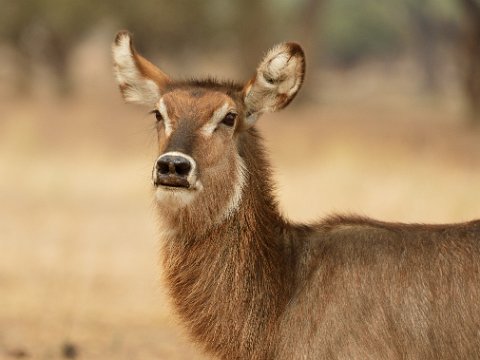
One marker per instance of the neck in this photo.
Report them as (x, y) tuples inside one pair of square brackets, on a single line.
[(231, 283)]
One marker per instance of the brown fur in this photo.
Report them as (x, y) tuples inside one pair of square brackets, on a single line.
[(251, 285), (257, 287)]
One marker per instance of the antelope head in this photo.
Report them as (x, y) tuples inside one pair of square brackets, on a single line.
[(200, 124)]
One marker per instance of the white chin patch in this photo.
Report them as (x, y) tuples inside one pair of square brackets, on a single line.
[(176, 197)]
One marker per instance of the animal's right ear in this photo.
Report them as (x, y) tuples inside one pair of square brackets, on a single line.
[(139, 80), (276, 82)]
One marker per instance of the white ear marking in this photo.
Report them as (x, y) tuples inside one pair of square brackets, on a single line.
[(277, 81), (131, 72)]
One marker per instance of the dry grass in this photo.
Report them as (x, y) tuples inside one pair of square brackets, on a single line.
[(78, 260)]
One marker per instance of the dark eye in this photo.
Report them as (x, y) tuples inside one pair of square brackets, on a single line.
[(229, 119), (158, 116)]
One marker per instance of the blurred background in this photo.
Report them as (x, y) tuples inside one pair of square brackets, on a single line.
[(388, 122)]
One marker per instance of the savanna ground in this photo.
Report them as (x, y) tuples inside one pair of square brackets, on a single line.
[(79, 253)]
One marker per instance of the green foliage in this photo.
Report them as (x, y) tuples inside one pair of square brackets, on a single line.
[(68, 19), (437, 9), (350, 30), (162, 23), (355, 29)]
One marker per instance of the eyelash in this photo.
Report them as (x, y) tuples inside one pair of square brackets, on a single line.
[(157, 114)]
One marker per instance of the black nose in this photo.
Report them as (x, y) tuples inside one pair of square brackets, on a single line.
[(173, 165), (173, 170)]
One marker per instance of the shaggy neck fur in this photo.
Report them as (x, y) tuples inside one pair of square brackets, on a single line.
[(230, 284)]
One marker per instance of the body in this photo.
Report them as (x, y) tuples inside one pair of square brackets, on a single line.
[(249, 284), (387, 291), (344, 288)]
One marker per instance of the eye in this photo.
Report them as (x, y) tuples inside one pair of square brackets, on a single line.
[(158, 116), (229, 119)]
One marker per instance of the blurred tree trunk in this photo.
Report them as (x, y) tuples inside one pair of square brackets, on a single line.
[(471, 58), (425, 35), (23, 84), (309, 22), (252, 19), (37, 44), (59, 60)]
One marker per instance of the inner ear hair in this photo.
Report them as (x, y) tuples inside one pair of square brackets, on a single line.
[(277, 80), (139, 80)]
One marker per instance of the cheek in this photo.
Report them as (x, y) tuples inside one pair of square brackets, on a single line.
[(217, 173), (215, 152)]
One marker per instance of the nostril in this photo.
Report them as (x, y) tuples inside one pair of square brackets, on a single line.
[(163, 167), (183, 168), (174, 165)]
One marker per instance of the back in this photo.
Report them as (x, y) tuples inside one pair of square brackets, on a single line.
[(376, 290)]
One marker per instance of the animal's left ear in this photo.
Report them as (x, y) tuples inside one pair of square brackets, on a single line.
[(278, 79)]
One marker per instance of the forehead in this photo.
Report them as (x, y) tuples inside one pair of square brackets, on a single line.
[(195, 102)]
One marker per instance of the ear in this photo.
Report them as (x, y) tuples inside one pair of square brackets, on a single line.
[(139, 80), (278, 79)]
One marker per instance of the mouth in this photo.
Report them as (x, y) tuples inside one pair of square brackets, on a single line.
[(172, 182), (175, 191)]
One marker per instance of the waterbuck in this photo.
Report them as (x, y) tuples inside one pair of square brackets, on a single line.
[(249, 284)]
